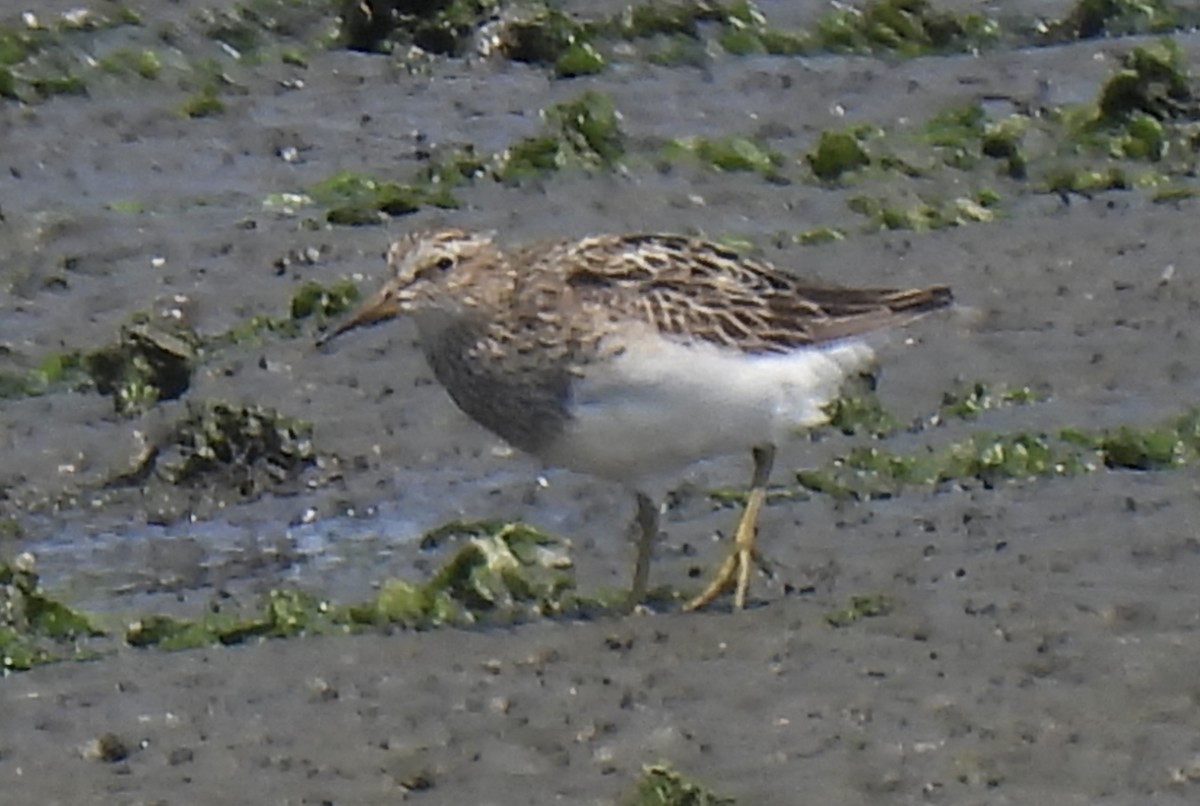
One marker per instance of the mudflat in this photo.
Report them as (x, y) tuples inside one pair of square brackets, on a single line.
[(1035, 639)]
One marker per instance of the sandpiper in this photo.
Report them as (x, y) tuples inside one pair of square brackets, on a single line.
[(628, 356)]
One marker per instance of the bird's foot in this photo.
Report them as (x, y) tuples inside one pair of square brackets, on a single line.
[(735, 573)]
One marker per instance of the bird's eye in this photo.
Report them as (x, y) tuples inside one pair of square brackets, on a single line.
[(445, 264)]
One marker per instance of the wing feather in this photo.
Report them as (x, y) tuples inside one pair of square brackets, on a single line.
[(693, 288)]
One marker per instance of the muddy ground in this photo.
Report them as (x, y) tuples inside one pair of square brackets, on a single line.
[(1044, 636)]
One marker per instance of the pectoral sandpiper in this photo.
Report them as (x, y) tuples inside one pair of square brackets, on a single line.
[(625, 356)]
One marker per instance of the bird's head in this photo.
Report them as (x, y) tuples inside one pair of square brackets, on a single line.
[(429, 270)]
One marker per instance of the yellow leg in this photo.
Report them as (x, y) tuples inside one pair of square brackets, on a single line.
[(736, 568), (647, 524)]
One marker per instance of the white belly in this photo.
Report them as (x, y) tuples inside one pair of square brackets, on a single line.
[(661, 405)]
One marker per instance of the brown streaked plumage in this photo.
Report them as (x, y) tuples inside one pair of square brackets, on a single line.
[(624, 355)]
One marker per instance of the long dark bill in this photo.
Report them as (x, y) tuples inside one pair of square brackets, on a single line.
[(381, 307)]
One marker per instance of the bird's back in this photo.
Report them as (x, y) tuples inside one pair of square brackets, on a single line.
[(689, 289)]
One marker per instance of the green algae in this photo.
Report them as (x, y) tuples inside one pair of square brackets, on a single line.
[(963, 135), (128, 206), (970, 400), (146, 365), (1144, 449), (207, 84), (55, 372), (355, 199), (955, 134), (589, 127), (582, 133), (40, 59), (250, 30), (1144, 115), (237, 27), (283, 614), (956, 126), (1144, 138), (661, 785), (17, 385), (570, 45), (11, 528), (442, 27), (728, 154), (217, 453), (324, 302), (1065, 150), (1003, 140), (1145, 112), (644, 20), (871, 472), (124, 61), (729, 498), (503, 572), (540, 37), (18, 46), (580, 59), (861, 414), (1085, 180), (839, 152), (550, 37), (252, 329), (860, 607), (746, 31), (678, 51), (248, 449), (293, 56), (34, 626), (149, 363), (59, 84), (454, 166), (820, 235), (31, 61), (987, 197), (1174, 194), (1089, 19), (84, 19), (990, 459), (1153, 80), (903, 27), (204, 103), (319, 302), (57, 369), (920, 216), (544, 35)]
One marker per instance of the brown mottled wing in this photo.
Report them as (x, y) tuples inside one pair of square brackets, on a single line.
[(697, 289)]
